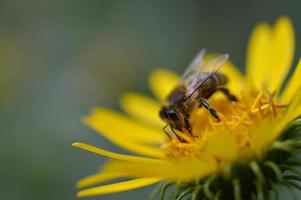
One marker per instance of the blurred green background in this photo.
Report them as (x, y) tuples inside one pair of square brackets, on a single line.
[(60, 58)]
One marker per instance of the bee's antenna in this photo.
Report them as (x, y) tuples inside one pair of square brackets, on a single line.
[(187, 125)]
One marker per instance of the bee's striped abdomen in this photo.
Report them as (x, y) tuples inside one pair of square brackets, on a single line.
[(210, 85), (214, 81), (219, 79)]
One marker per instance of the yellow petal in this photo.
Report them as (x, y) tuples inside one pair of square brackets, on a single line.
[(293, 84), (119, 187), (186, 169), (236, 81), (142, 107), (125, 132), (258, 55), (98, 178), (162, 82), (283, 49), (109, 122), (222, 145), (116, 156)]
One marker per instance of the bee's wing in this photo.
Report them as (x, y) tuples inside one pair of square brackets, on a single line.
[(195, 64), (201, 73)]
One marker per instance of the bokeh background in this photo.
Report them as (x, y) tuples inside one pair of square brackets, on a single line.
[(60, 58)]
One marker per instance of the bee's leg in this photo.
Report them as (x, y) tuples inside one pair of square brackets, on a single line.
[(187, 124), (227, 93), (209, 108)]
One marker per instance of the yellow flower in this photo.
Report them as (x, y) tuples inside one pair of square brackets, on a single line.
[(249, 129)]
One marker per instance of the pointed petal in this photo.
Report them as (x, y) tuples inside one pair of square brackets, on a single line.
[(190, 168), (109, 122), (125, 132), (258, 55), (283, 49), (162, 82), (293, 84), (112, 155), (98, 178), (142, 107), (119, 187), (270, 54)]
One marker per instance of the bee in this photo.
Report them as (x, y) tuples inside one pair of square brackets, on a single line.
[(199, 81)]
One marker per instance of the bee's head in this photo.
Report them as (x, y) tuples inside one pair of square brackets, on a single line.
[(172, 117)]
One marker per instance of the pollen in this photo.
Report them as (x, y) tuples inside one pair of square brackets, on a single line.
[(234, 131)]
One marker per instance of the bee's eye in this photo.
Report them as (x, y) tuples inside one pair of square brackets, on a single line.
[(173, 115)]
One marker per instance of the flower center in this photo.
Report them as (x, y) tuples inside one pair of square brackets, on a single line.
[(239, 121)]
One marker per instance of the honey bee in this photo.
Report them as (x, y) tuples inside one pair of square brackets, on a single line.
[(199, 81)]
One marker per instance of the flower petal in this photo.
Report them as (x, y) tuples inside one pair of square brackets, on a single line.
[(162, 82), (125, 132), (258, 55), (293, 84), (112, 155), (98, 178), (186, 169), (142, 107), (119, 187), (270, 54), (283, 49)]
